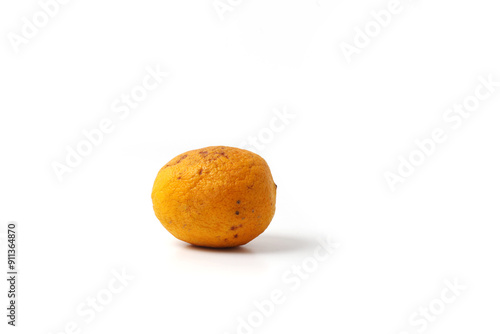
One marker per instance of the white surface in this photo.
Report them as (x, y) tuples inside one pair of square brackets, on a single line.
[(352, 122)]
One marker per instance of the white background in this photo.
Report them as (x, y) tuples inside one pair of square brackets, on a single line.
[(352, 121)]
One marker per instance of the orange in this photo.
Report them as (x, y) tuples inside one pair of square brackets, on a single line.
[(215, 197)]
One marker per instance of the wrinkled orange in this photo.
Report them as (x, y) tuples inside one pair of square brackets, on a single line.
[(215, 197)]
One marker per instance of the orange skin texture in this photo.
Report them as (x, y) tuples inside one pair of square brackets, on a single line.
[(215, 197)]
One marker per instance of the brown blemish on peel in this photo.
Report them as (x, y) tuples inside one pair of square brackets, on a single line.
[(217, 156), (236, 227), (182, 158), (238, 202), (237, 212), (235, 236), (223, 154), (201, 171), (178, 161)]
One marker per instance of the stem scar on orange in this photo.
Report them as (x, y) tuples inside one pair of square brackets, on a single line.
[(216, 196)]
